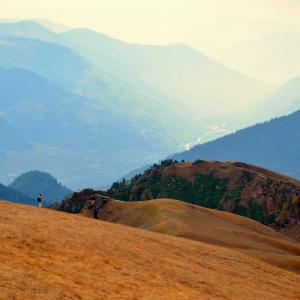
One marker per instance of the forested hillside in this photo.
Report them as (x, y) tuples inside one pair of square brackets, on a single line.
[(274, 145)]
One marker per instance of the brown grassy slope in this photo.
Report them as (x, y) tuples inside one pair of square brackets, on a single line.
[(257, 193), (210, 226), (229, 169), (46, 254)]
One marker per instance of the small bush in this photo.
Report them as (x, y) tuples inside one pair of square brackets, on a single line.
[(256, 211)]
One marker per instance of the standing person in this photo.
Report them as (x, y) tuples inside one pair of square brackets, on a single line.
[(40, 200), (95, 212)]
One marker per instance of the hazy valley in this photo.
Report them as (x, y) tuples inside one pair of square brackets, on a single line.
[(133, 85)]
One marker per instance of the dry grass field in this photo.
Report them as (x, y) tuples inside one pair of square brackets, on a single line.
[(215, 227), (46, 254)]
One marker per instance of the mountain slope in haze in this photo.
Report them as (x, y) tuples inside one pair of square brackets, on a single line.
[(11, 137), (53, 26), (274, 145), (52, 250), (274, 58), (75, 74), (13, 195), (140, 64), (129, 96), (53, 128), (178, 66), (172, 72), (58, 64), (34, 182), (104, 100), (166, 74), (246, 190), (21, 27), (284, 100)]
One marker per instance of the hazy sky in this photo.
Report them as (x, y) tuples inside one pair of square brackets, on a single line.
[(210, 25)]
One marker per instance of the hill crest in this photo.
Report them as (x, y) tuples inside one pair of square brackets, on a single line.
[(240, 188), (273, 144)]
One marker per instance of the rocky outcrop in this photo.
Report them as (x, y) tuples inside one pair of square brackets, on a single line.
[(82, 201)]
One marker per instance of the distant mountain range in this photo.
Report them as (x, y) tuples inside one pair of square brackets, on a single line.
[(103, 107), (53, 128), (283, 100), (274, 58), (167, 74), (110, 101)]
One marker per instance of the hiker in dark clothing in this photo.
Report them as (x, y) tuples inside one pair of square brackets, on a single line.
[(95, 212), (40, 200)]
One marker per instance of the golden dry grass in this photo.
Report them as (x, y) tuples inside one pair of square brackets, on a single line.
[(235, 172), (46, 254), (210, 226)]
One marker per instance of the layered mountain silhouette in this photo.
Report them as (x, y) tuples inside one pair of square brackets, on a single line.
[(140, 64), (174, 70), (52, 127), (152, 70), (139, 89)]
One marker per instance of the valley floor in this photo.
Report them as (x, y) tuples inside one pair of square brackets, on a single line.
[(46, 254)]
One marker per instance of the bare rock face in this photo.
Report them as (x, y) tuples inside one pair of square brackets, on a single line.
[(81, 201)]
